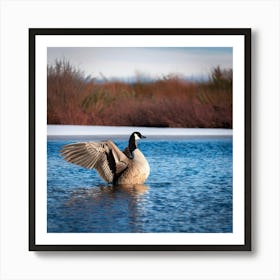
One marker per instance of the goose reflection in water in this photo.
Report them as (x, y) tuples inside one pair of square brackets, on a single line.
[(101, 191), (98, 207)]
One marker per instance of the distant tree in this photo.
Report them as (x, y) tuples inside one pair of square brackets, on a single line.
[(65, 85), (221, 78)]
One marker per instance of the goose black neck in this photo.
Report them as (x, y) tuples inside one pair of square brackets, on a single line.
[(132, 143)]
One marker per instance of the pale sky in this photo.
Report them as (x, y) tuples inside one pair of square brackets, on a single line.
[(154, 62)]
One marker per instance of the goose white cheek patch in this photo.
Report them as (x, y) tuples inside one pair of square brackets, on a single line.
[(136, 136)]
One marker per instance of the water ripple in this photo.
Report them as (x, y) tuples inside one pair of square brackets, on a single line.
[(189, 190)]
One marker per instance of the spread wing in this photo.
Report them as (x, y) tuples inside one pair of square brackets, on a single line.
[(105, 157)]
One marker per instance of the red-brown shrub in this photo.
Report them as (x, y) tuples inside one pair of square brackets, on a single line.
[(169, 102)]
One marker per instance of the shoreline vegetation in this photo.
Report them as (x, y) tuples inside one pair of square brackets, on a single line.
[(171, 101)]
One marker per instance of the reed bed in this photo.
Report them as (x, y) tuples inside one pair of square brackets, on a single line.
[(73, 98)]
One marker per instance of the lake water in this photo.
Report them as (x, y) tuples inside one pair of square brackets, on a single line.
[(189, 189)]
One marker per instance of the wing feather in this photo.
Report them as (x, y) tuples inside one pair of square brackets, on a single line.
[(105, 157)]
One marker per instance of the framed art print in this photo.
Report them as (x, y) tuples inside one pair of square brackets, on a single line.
[(140, 139)]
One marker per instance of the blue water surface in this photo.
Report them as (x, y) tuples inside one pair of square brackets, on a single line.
[(189, 190)]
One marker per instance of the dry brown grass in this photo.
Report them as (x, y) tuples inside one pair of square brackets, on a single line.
[(170, 102)]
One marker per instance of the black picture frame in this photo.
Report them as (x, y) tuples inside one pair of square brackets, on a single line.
[(243, 32)]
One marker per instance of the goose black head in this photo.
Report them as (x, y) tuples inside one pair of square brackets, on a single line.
[(137, 135), (133, 140)]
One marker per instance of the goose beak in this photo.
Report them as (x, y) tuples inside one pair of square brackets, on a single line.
[(142, 136)]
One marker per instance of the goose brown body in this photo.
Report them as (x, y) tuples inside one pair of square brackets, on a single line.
[(113, 165)]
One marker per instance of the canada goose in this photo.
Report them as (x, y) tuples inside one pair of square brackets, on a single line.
[(113, 165)]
